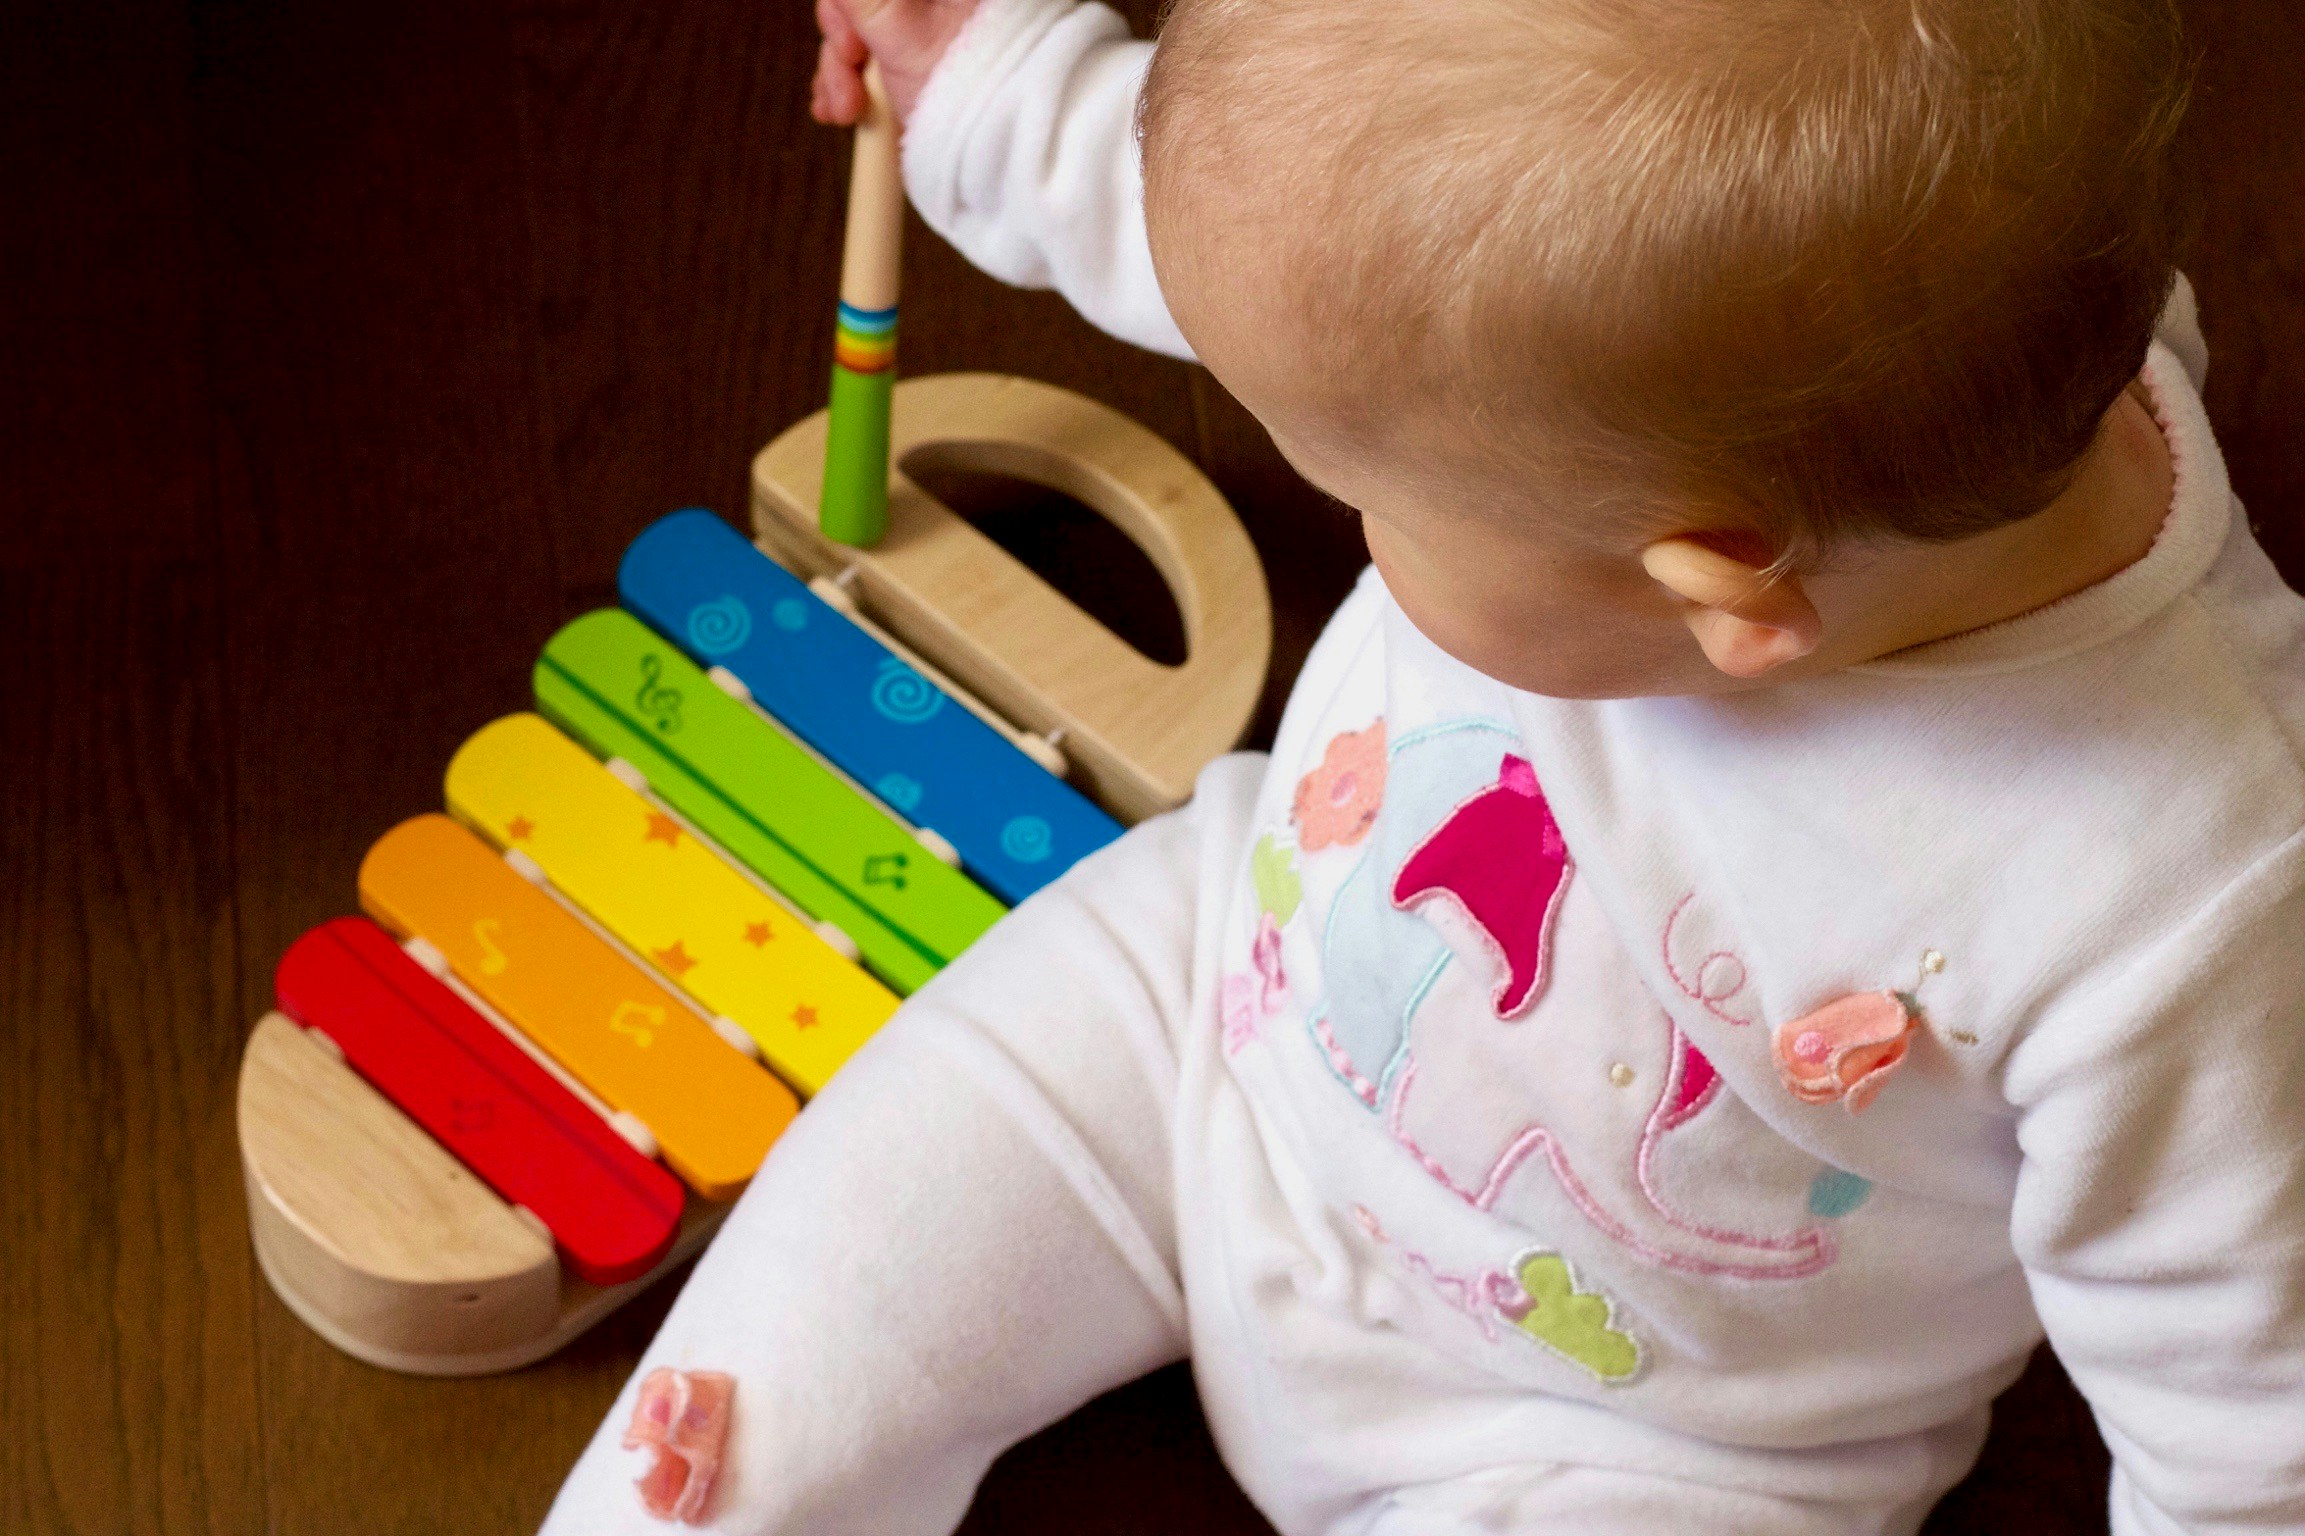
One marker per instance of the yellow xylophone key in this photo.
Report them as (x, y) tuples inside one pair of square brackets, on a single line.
[(637, 1046), (645, 878)]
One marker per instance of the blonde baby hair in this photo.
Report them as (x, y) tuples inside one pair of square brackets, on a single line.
[(1830, 270)]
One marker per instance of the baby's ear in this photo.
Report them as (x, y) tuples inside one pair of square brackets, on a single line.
[(1749, 622)]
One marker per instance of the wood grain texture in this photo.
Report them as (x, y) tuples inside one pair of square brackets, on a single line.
[(384, 1244), (129, 1389), (366, 1189), (345, 349)]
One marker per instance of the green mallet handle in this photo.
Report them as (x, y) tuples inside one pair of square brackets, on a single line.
[(854, 506)]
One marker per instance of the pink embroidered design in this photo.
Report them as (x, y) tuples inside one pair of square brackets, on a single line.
[(1500, 858), (1719, 977), (1266, 955), (682, 1416), (1237, 1006), (1846, 1050), (1341, 1061), (1337, 802), (1485, 1297), (1692, 1084), (1539, 1297), (1245, 1001), (1695, 1083)]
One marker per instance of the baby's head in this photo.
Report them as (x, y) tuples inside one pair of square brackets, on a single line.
[(1535, 284)]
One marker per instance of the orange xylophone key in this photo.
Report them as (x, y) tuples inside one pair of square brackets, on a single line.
[(616, 1030)]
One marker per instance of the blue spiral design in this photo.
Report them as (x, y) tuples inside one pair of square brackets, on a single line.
[(720, 626), (903, 695), (899, 791), (790, 615), (1027, 839)]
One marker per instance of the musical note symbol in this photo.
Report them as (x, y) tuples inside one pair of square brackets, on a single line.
[(637, 1022), (657, 702), (492, 959), (885, 869)]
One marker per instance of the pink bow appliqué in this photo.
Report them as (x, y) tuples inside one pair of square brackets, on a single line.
[(681, 1416)]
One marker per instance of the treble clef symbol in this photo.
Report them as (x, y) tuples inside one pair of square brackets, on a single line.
[(657, 702)]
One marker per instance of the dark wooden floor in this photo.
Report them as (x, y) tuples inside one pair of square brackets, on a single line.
[(342, 348)]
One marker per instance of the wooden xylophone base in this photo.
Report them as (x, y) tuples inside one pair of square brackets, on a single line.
[(1136, 732), (387, 1247), (365, 1223), (581, 1305)]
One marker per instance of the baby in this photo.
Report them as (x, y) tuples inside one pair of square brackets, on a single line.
[(1784, 883)]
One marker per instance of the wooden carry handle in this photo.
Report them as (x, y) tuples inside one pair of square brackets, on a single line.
[(1137, 732)]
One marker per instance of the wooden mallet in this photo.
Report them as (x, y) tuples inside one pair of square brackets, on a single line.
[(854, 507)]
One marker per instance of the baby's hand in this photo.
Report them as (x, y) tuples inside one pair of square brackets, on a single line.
[(906, 36)]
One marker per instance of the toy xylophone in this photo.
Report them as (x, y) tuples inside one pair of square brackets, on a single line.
[(743, 821)]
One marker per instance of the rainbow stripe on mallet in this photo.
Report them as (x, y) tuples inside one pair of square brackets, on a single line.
[(865, 341), (853, 507)]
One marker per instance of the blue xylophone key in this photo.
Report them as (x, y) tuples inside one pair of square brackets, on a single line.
[(1016, 826)]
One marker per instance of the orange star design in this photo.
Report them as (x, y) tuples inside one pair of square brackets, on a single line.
[(677, 962), (757, 934), (519, 829), (662, 829), (804, 1016)]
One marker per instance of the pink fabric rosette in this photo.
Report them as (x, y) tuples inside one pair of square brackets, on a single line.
[(1846, 1050)]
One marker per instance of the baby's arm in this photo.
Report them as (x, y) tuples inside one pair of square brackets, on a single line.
[(1020, 141), (2161, 1212)]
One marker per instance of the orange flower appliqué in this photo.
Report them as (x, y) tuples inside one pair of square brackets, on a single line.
[(1846, 1050), (1338, 801)]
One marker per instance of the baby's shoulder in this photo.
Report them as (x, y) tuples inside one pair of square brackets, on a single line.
[(2252, 632)]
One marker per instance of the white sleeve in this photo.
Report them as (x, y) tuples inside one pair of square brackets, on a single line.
[(2160, 1212), (1022, 152)]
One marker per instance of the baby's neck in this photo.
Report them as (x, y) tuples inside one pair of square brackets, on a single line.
[(2104, 522)]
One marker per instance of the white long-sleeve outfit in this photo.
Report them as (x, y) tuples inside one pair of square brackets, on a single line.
[(1432, 1083)]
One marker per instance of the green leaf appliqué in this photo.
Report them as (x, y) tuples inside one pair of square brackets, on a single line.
[(1279, 889)]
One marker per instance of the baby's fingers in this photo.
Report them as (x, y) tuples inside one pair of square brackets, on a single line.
[(840, 34), (836, 96)]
